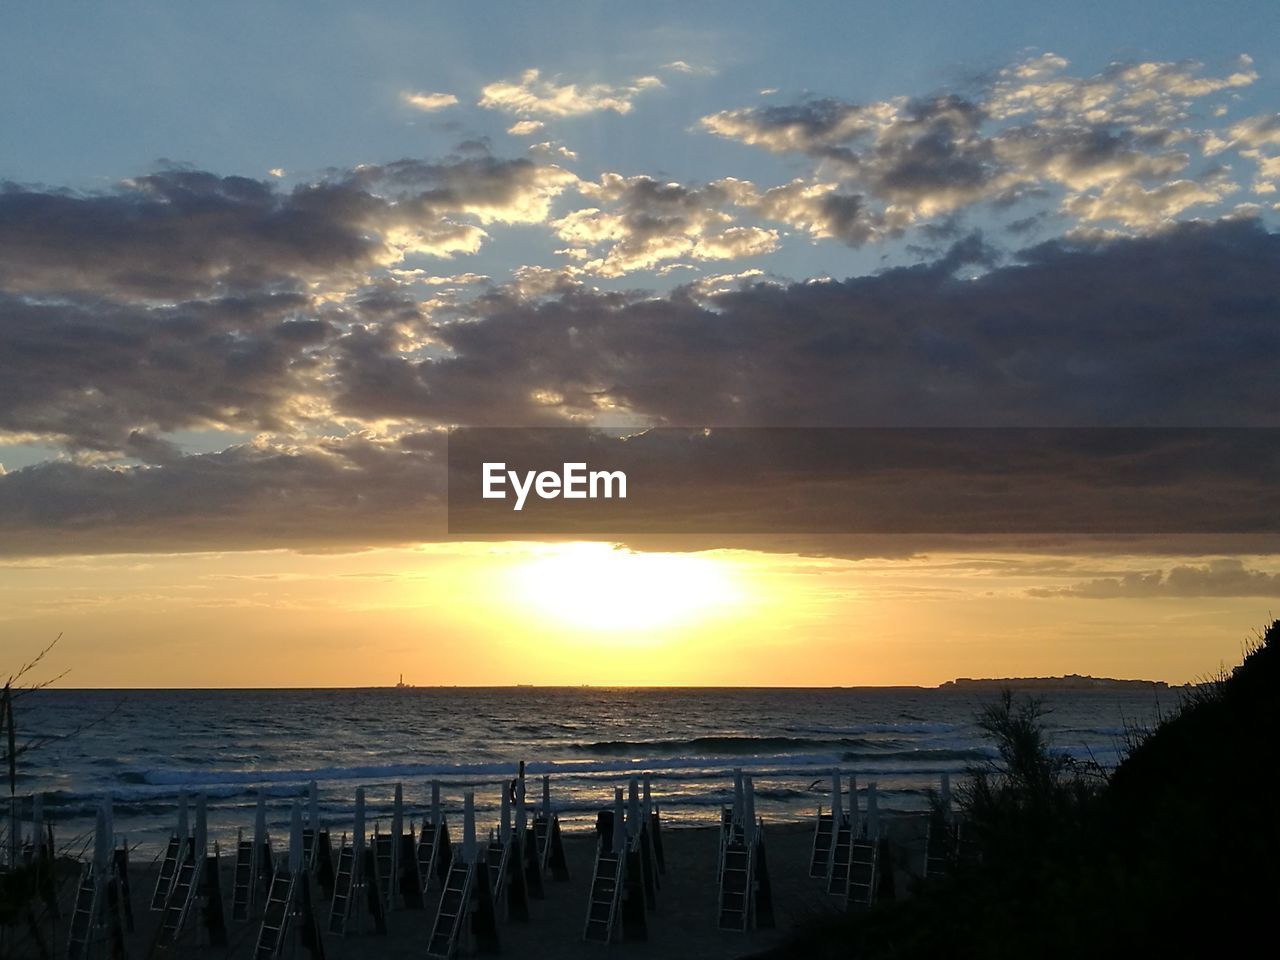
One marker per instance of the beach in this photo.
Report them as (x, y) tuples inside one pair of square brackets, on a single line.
[(683, 923)]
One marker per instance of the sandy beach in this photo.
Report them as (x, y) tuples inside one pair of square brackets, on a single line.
[(682, 925)]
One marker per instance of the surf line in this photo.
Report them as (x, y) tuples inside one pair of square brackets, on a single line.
[(573, 482)]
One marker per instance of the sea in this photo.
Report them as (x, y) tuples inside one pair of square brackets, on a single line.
[(143, 748)]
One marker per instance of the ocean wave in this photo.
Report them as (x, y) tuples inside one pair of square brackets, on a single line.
[(862, 729), (171, 780), (923, 755), (745, 746), (189, 779)]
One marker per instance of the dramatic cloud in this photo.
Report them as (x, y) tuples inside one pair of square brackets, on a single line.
[(1128, 331), (104, 378), (1130, 203), (344, 321), (1095, 332), (1002, 482), (183, 300), (638, 223), (351, 492), (643, 223), (823, 210), (534, 282), (428, 102), (533, 96), (363, 490), (456, 279), (1116, 146), (712, 285), (1219, 578), (184, 233)]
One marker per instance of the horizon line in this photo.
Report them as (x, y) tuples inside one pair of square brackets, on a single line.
[(621, 686)]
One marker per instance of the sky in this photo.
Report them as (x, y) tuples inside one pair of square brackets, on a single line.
[(256, 260)]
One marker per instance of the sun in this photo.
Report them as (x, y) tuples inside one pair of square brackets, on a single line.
[(603, 587)]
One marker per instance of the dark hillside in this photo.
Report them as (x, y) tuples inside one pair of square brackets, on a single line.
[(1177, 854)]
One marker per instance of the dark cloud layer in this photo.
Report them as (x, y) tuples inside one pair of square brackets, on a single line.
[(1175, 329), (181, 233), (351, 493), (1227, 577), (995, 482), (100, 376)]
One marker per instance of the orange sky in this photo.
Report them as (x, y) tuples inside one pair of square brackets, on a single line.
[(477, 614)]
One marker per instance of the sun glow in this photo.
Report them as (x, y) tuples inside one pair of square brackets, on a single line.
[(597, 586)]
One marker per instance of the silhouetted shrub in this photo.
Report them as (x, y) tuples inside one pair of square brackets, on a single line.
[(1174, 855)]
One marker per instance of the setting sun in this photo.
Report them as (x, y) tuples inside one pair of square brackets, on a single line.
[(601, 587)]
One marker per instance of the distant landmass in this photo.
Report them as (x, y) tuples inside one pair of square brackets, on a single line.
[(1072, 681)]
